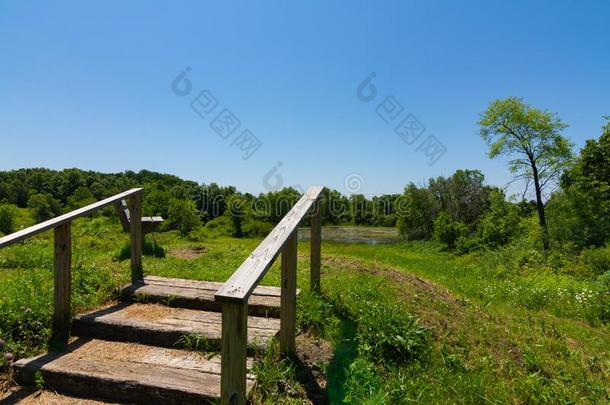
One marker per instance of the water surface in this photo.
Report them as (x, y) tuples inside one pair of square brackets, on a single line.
[(355, 234)]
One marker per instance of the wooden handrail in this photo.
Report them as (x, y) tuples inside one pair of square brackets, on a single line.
[(65, 218), (240, 285), (62, 280), (235, 292)]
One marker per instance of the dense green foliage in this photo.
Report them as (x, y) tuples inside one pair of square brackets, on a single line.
[(7, 219), (496, 309), (184, 204), (532, 139), (393, 338)]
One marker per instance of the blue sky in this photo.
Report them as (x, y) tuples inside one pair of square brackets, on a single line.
[(90, 85)]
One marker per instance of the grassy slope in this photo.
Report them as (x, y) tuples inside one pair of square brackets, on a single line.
[(488, 342)]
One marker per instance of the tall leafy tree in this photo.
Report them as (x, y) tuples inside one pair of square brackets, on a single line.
[(587, 187), (532, 139)]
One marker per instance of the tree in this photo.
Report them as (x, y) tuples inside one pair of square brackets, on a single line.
[(359, 208), (45, 206), (533, 139), (81, 197), (501, 223), (237, 209), (416, 210), (183, 216), (7, 218), (587, 191), (463, 195), (448, 230)]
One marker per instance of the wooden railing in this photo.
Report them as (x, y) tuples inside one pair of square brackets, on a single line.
[(235, 292), (63, 254)]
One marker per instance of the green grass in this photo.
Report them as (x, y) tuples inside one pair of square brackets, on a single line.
[(404, 322)]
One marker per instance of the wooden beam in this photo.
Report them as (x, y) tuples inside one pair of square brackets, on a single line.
[(233, 355), (63, 285), (135, 226), (288, 306), (241, 284), (63, 219), (316, 247)]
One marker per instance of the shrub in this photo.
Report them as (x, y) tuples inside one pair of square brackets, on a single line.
[(45, 206), (595, 261), (183, 216), (448, 230), (220, 226), (7, 218), (254, 227), (237, 212), (501, 223)]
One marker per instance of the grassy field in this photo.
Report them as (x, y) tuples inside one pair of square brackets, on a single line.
[(396, 323)]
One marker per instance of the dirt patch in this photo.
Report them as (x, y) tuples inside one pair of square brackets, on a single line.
[(313, 357), (31, 396), (188, 253), (148, 312)]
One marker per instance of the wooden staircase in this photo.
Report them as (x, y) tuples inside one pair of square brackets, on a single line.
[(136, 351)]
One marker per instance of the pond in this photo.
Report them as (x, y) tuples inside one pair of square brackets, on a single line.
[(355, 234)]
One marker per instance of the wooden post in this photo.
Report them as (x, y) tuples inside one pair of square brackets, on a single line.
[(233, 355), (316, 247), (135, 227), (63, 285), (288, 302)]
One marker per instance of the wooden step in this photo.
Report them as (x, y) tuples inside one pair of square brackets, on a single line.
[(128, 373), (159, 325), (265, 301)]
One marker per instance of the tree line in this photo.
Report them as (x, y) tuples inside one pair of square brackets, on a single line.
[(571, 203)]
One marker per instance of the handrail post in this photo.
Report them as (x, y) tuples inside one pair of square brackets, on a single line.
[(288, 299), (62, 285), (233, 354), (135, 228), (316, 247)]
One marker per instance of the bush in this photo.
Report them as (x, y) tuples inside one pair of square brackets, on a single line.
[(501, 223), (448, 230), (236, 209), (7, 219), (220, 226), (45, 206), (254, 227), (464, 244), (595, 261), (183, 216)]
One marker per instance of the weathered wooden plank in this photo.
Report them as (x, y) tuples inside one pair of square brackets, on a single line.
[(241, 284), (315, 257), (122, 212), (163, 326), (264, 301), (62, 219), (129, 373), (288, 307), (233, 367), (208, 285), (135, 229), (62, 284)]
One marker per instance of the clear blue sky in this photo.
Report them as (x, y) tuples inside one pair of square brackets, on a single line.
[(89, 85)]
